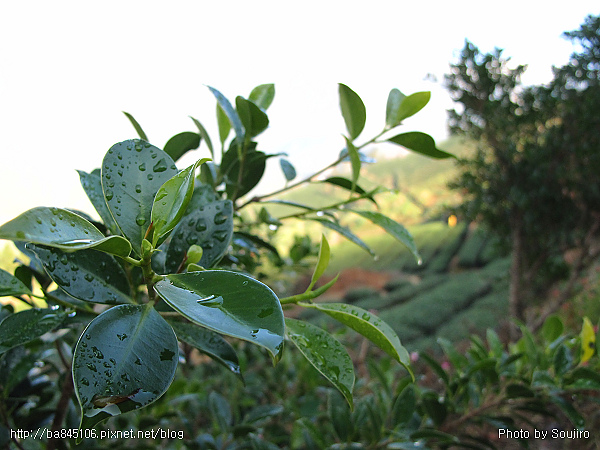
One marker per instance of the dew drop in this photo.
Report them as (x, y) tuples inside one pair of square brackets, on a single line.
[(150, 177), (138, 188), (88, 277), (109, 194), (220, 218), (160, 166), (201, 225), (142, 167), (140, 220)]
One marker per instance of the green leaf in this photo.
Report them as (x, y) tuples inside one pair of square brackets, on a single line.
[(208, 225), (132, 173), (567, 407), (263, 95), (436, 367), (209, 343), (136, 125), (369, 325), (420, 143), (22, 327), (62, 229), (255, 121), (12, 286), (353, 111), (124, 360), (289, 172), (552, 328), (204, 135), (344, 232), (181, 143), (231, 114), (392, 109), (92, 185), (400, 107), (393, 228), (404, 406), (347, 184), (171, 200), (87, 275), (434, 408), (458, 360), (562, 360), (229, 303), (254, 168), (354, 161), (325, 353), (223, 123), (322, 262)]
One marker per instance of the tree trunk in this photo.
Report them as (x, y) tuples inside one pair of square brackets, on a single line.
[(515, 301)]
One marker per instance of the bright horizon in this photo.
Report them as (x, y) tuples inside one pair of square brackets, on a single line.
[(67, 70)]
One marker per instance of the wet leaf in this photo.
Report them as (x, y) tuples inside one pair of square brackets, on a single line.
[(208, 225), (325, 353), (132, 172), (22, 327), (181, 143), (263, 95), (353, 111), (171, 201), (393, 228), (124, 360), (62, 229), (229, 303), (420, 143), (210, 343), (12, 286), (369, 325), (92, 185), (136, 125), (86, 275)]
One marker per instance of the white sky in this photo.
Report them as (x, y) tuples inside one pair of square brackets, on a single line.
[(68, 69)]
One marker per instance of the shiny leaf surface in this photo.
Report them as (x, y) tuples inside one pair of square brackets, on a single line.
[(87, 275), (22, 327), (182, 143), (132, 172), (408, 106), (322, 262), (392, 110), (92, 185), (420, 143), (229, 303), (11, 285), (62, 229), (263, 95), (124, 360), (210, 343), (325, 353), (231, 114), (254, 119)]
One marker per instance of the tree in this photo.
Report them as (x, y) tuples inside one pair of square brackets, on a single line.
[(529, 180)]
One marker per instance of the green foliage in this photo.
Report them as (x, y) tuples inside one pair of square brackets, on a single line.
[(172, 260)]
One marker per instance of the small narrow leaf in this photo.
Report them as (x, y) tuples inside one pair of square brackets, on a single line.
[(347, 184), (181, 143), (229, 303), (420, 143), (204, 135), (22, 327), (263, 95), (394, 228), (223, 123), (62, 229), (12, 286), (231, 114), (171, 201), (322, 262), (124, 360), (353, 111), (354, 161), (344, 232), (289, 172), (393, 107), (136, 125), (369, 325), (210, 343), (325, 353)]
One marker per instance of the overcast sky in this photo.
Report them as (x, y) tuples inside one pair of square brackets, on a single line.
[(68, 69)]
